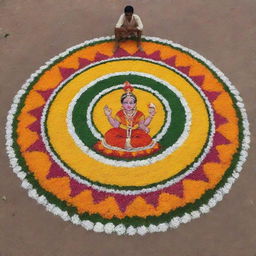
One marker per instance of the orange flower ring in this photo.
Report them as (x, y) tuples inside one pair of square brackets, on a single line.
[(57, 120)]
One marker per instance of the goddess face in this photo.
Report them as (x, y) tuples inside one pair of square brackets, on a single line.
[(129, 103)]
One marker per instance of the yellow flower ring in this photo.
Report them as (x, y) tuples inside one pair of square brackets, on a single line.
[(118, 175), (57, 118)]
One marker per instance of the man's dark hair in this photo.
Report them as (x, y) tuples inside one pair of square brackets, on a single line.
[(128, 8)]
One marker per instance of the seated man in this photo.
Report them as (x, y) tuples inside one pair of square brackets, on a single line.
[(129, 25)]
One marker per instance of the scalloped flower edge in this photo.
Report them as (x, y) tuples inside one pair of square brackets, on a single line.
[(120, 229)]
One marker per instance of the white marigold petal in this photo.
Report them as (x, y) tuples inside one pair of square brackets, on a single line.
[(25, 184), (153, 228), (21, 175), (235, 175), (49, 207), (195, 214), (186, 218), (212, 202), (98, 227), (131, 231), (204, 208), (65, 216), (218, 197), (32, 193), (120, 229), (41, 200), (175, 222), (75, 219), (88, 225), (17, 169), (163, 227), (109, 228), (142, 230)]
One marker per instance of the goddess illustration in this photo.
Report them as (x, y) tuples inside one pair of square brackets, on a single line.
[(129, 136)]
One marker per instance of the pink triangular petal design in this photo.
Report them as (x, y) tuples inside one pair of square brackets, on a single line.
[(176, 189), (121, 53), (55, 171), (198, 174), (152, 198), (220, 139), (212, 96), (37, 112), (76, 188), (99, 196), (83, 62), (184, 69), (99, 56), (140, 54), (123, 201), (155, 55), (66, 72), (212, 156), (170, 61), (199, 80), (219, 120), (45, 94), (37, 146), (35, 126)]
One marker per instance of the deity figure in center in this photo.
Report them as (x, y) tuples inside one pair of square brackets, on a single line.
[(129, 136)]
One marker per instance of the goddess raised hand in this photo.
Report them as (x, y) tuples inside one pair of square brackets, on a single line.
[(152, 109), (112, 121), (152, 112), (107, 111)]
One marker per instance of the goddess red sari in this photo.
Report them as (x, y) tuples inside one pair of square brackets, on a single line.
[(117, 137), (128, 140)]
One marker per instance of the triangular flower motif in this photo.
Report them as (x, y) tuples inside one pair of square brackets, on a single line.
[(212, 96), (198, 174), (121, 53), (83, 62), (35, 126), (184, 69), (212, 156), (99, 56), (55, 171), (155, 55), (76, 187), (123, 201), (219, 120), (36, 112), (171, 61), (152, 198), (176, 189), (45, 94), (140, 54), (37, 146), (199, 80), (99, 196), (66, 72)]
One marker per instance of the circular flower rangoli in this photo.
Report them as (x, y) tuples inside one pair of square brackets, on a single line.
[(131, 142)]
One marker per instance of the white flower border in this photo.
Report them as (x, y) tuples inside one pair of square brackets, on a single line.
[(110, 227), (130, 163)]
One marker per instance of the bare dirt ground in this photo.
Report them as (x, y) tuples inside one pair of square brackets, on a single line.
[(33, 31)]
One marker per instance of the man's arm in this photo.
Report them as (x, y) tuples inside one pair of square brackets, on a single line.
[(139, 22)]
